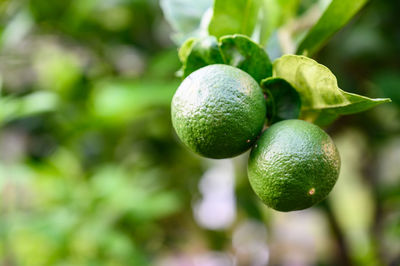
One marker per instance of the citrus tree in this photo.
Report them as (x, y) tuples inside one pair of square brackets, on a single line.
[(91, 170), (218, 111)]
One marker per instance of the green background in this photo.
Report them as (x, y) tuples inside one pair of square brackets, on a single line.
[(92, 173)]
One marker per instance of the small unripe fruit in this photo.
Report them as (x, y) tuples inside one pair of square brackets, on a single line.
[(218, 111)]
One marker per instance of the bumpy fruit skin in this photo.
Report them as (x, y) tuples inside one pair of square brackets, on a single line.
[(293, 165), (218, 111)]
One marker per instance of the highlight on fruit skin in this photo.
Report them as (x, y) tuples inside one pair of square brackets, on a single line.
[(218, 111), (293, 165)]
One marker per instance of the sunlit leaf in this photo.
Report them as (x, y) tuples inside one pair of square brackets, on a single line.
[(336, 16), (231, 17), (319, 92)]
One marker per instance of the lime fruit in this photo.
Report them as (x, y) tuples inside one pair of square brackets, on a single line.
[(218, 111), (293, 165)]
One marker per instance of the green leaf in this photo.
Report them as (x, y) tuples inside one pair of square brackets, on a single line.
[(12, 108), (197, 53), (235, 50), (322, 100), (283, 101), (241, 52), (231, 17), (185, 17), (186, 48), (338, 13)]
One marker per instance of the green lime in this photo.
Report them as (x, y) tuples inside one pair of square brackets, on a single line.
[(293, 165), (218, 111)]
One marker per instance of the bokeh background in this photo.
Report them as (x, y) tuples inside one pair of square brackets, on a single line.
[(91, 172)]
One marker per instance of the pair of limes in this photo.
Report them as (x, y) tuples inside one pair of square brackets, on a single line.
[(219, 112)]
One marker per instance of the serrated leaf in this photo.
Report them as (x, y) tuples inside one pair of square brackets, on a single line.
[(320, 95), (283, 101), (197, 53), (241, 52), (231, 17), (338, 13)]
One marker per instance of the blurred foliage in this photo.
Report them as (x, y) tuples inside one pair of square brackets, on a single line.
[(91, 172)]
